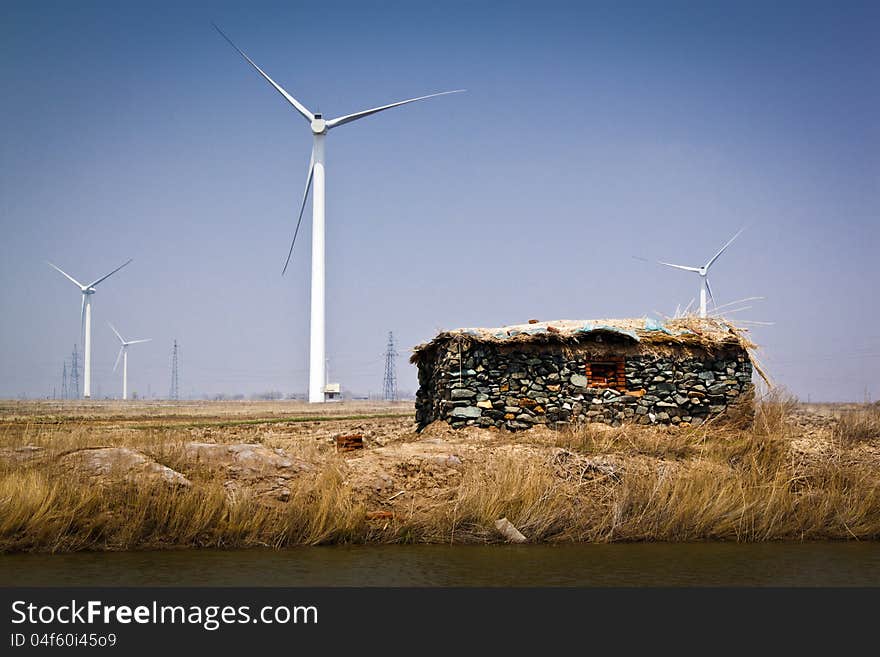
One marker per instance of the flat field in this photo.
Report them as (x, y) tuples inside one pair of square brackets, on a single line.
[(149, 475)]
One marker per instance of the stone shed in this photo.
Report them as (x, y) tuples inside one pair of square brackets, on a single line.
[(682, 371)]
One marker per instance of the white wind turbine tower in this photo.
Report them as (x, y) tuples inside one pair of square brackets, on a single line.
[(86, 321), (315, 177), (123, 353), (704, 273)]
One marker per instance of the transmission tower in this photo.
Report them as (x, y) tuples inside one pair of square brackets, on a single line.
[(74, 373), (64, 394), (175, 390), (390, 387)]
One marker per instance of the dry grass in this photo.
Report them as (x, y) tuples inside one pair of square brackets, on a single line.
[(707, 483), (589, 483), (859, 425), (524, 491), (46, 513)]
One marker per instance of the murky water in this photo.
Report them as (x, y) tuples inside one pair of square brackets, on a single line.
[(651, 564)]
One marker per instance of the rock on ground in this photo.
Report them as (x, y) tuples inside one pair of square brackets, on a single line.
[(248, 467), (111, 464), (509, 531)]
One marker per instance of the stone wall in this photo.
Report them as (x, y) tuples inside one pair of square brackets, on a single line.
[(518, 386)]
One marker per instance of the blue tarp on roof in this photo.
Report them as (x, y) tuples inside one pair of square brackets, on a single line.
[(652, 324), (589, 328)]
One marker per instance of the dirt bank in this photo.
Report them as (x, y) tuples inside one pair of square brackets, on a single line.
[(121, 477)]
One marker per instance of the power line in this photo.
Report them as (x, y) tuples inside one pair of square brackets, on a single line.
[(64, 394), (390, 386), (175, 388), (74, 373)]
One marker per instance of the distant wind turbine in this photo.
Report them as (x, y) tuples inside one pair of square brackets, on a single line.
[(315, 177), (86, 322), (123, 353), (704, 273)]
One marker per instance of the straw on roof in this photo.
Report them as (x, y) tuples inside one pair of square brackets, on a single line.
[(690, 331)]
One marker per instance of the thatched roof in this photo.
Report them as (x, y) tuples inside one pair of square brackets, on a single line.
[(691, 331)]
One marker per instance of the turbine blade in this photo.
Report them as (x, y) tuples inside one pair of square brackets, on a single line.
[(302, 208), (348, 118), (118, 335), (139, 341), (65, 274), (82, 321), (290, 99), (118, 356), (669, 264), (723, 248), (111, 273), (709, 290)]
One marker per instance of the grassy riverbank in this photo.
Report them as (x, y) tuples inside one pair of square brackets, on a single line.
[(102, 476)]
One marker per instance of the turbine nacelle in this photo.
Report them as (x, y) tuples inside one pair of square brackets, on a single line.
[(319, 125), (90, 288)]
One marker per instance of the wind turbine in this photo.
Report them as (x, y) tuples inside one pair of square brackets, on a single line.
[(704, 273), (315, 178), (123, 353), (86, 321)]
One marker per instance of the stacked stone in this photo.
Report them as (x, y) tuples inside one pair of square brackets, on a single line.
[(488, 385)]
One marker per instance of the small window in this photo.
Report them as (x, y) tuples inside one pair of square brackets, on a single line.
[(608, 372), (603, 374)]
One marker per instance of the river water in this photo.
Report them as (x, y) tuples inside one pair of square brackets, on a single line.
[(639, 564)]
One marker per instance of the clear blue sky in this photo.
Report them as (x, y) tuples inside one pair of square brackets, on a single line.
[(590, 132)]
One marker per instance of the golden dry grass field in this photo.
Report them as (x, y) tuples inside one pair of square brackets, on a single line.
[(144, 475)]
